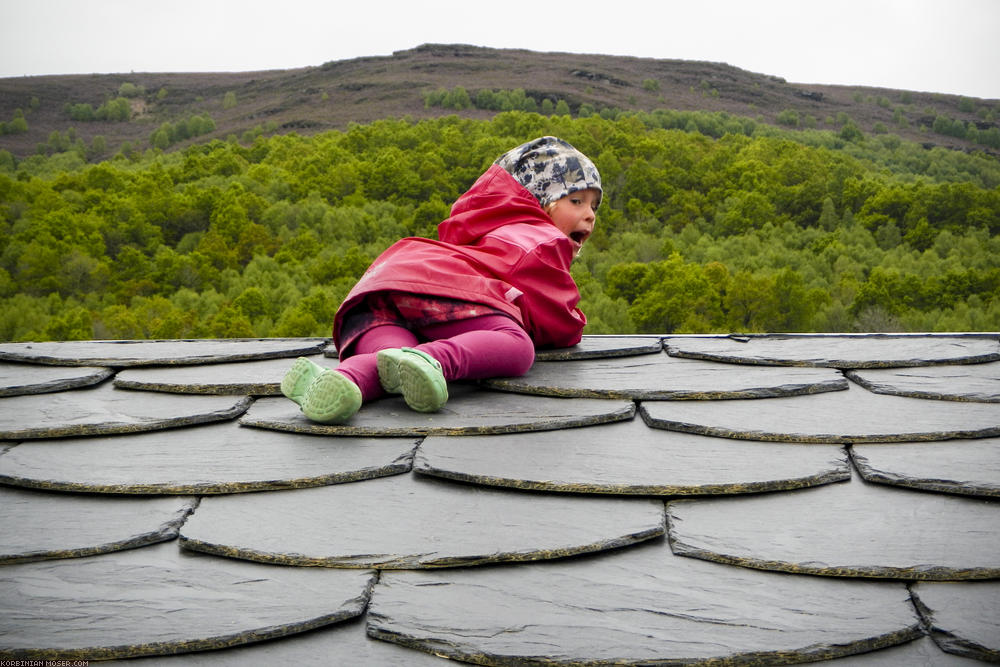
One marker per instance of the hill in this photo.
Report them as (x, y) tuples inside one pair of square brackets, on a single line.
[(361, 90)]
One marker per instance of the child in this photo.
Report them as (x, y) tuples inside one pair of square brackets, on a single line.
[(471, 305)]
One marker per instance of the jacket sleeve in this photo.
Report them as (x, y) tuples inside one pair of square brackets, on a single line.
[(549, 296)]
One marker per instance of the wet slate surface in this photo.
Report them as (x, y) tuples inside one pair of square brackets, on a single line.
[(976, 382), (104, 410), (469, 411), (22, 379), (856, 415), (217, 458), (636, 607), (839, 351), (39, 526), (127, 353), (255, 378), (629, 458), (159, 600), (968, 467), (849, 530), (963, 618), (660, 377), (435, 524), (501, 451)]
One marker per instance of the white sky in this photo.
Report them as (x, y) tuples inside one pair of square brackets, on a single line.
[(945, 46)]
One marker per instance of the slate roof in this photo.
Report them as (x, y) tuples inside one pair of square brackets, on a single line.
[(633, 500)]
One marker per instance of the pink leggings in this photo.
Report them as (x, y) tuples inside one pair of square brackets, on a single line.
[(481, 347)]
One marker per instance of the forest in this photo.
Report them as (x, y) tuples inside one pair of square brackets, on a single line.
[(710, 223)]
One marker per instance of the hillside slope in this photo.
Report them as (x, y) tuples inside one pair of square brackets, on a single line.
[(337, 93)]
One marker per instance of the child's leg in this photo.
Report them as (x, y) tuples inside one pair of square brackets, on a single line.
[(362, 369), (481, 347)]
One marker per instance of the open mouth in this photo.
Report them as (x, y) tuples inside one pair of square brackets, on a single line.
[(579, 237)]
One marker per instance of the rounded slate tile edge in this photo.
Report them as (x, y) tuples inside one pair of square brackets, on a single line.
[(643, 345), (240, 407), (920, 573), (414, 562), (307, 346), (620, 414), (165, 532), (52, 386), (883, 388), (421, 467), (876, 476), (844, 364), (399, 467), (248, 388)]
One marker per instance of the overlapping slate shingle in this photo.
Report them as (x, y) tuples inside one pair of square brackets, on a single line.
[(963, 618), (128, 353), (968, 467), (660, 377), (21, 379), (39, 526), (850, 530), (839, 351), (255, 378), (514, 476), (104, 410), (973, 382), (629, 458), (856, 415), (217, 458), (469, 411), (157, 600), (434, 524), (639, 606)]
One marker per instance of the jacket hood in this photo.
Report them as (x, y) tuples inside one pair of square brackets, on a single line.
[(494, 200)]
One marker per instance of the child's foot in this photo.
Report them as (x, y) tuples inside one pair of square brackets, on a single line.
[(299, 377), (415, 374), (331, 398)]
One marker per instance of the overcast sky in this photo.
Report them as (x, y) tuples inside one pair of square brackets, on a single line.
[(946, 46)]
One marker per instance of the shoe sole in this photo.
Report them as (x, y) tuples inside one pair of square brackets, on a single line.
[(331, 398), (388, 370), (298, 378), (422, 383)]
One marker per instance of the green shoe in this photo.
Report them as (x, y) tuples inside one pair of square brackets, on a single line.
[(331, 398), (415, 374), (299, 377)]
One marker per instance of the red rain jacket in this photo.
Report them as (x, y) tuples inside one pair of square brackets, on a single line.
[(499, 248)]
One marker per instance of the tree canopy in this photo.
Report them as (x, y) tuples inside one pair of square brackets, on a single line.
[(710, 223)]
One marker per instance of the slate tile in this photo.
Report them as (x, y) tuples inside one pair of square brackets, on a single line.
[(844, 530), (839, 351), (344, 644), (603, 347), (629, 458), (969, 467), (158, 600), (660, 377), (469, 411), (970, 382), (36, 526), (923, 652), (849, 416), (964, 618), (217, 458), (433, 524), (127, 353), (637, 606), (255, 378), (22, 379), (105, 410)]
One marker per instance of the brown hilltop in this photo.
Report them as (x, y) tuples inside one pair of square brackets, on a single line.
[(361, 90)]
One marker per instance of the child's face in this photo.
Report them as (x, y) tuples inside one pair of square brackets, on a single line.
[(575, 214)]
